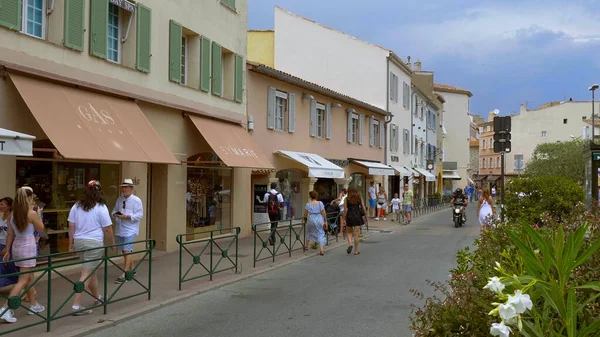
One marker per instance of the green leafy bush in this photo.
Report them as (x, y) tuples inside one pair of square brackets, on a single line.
[(528, 198)]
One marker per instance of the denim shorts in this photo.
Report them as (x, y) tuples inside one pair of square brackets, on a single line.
[(125, 243), (372, 203), (407, 208)]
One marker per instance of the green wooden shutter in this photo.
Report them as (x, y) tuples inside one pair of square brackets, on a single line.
[(74, 24), (204, 64), (239, 78), (175, 34), (144, 38), (99, 28), (271, 106), (10, 14), (291, 112), (217, 70)]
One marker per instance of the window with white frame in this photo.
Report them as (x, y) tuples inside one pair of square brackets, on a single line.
[(491, 144), (354, 130), (433, 121), (114, 30), (393, 87), (376, 130), (544, 134), (406, 95), (481, 129), (483, 144), (490, 163), (281, 106), (406, 141), (393, 137), (489, 128), (184, 59), (34, 18), (320, 120), (483, 163)]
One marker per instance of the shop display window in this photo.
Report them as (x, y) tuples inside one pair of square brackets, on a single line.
[(327, 190), (289, 185), (58, 185), (358, 180)]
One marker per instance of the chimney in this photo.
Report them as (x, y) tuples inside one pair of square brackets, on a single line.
[(408, 63), (418, 66), (523, 108), (491, 116)]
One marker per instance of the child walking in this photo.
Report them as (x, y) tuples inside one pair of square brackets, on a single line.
[(396, 207)]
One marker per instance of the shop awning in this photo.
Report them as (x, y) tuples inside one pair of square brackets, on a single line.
[(15, 144), (402, 171), (427, 174), (451, 175), (318, 167), (471, 181), (375, 168), (231, 143), (91, 126), (413, 171), (480, 178), (492, 178)]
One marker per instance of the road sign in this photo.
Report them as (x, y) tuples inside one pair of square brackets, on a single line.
[(499, 136), (502, 124)]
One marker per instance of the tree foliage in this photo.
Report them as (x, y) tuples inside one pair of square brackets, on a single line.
[(560, 159)]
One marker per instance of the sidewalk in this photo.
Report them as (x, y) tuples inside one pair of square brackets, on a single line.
[(164, 286)]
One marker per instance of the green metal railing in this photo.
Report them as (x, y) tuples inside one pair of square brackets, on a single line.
[(215, 240), (286, 236), (54, 268)]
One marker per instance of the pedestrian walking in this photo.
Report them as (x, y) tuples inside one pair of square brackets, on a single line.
[(372, 200), (485, 210), (340, 200), (408, 202), (21, 245), (89, 225), (355, 217), (128, 212), (315, 218), (396, 202), (382, 200), (274, 201), (494, 192), (7, 267)]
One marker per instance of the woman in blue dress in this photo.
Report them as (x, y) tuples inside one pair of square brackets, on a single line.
[(316, 218)]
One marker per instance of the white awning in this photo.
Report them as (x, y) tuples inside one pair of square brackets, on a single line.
[(471, 181), (15, 144), (427, 174), (376, 169), (318, 167), (413, 171), (451, 174), (402, 171)]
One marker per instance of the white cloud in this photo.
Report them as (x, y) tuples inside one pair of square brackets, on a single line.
[(500, 28)]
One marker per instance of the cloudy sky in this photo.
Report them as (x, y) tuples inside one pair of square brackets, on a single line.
[(507, 52)]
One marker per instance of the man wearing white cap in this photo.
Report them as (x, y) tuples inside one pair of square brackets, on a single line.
[(128, 212)]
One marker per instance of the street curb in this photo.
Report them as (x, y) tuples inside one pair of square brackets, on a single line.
[(107, 323)]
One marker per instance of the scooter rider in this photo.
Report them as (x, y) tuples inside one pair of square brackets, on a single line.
[(460, 199)]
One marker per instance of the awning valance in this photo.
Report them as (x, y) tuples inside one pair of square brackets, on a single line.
[(375, 168), (427, 174), (451, 175), (492, 178), (231, 143), (91, 126), (318, 167), (15, 143), (402, 171)]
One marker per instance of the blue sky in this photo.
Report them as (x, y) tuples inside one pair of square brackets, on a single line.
[(506, 52)]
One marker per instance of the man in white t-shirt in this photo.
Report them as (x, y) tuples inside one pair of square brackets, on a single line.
[(373, 200), (89, 225), (128, 212)]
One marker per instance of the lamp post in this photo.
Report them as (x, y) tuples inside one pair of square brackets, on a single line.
[(593, 89)]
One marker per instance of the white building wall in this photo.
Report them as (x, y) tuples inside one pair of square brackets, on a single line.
[(419, 129), (457, 122), (401, 118), (330, 58), (432, 133), (527, 128)]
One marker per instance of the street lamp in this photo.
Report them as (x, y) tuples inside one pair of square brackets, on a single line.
[(593, 88)]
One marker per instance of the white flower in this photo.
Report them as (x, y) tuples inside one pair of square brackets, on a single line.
[(507, 312), (495, 285), (520, 301), (500, 329)]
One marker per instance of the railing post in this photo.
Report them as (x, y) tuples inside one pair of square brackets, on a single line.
[(211, 256), (274, 233), (237, 234), (152, 244), (290, 232), (49, 303), (180, 258), (105, 299), (254, 230)]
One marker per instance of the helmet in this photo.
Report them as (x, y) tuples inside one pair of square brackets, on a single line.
[(458, 191)]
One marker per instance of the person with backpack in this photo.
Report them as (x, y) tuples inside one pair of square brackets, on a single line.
[(274, 202)]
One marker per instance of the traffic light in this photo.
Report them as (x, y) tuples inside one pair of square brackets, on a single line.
[(502, 134)]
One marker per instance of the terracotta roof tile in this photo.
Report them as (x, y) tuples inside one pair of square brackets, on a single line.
[(451, 88)]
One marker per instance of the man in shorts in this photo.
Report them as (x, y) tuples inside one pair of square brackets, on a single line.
[(407, 203), (128, 212), (373, 200)]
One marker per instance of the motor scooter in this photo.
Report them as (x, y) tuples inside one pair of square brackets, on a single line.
[(457, 214)]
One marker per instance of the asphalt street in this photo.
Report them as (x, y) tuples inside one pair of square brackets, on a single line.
[(332, 295)]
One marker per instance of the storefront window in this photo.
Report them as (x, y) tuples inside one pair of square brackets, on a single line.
[(208, 198), (289, 186), (58, 186), (358, 180), (327, 190)]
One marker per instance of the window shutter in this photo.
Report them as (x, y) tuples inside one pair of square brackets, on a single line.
[(10, 14), (381, 134), (371, 131), (74, 24), (175, 34), (397, 145), (217, 69), (239, 78), (391, 86), (99, 28), (391, 137), (328, 121), (144, 38), (204, 64), (349, 127), (406, 140), (361, 125), (271, 108), (313, 118), (291, 112)]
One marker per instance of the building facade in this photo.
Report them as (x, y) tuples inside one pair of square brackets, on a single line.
[(94, 83), (489, 161)]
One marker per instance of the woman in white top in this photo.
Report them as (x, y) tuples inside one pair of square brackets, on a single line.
[(21, 245), (6, 268), (485, 210), (89, 225)]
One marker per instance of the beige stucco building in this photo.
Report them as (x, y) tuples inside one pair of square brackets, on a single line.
[(316, 138), (143, 90)]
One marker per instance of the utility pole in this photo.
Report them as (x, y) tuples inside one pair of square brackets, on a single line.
[(502, 182), (502, 145)]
